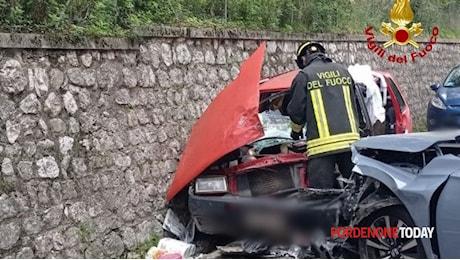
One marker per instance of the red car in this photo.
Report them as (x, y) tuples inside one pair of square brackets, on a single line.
[(240, 153), (398, 116), (402, 116)]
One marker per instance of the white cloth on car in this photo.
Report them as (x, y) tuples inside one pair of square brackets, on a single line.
[(383, 87), (374, 103)]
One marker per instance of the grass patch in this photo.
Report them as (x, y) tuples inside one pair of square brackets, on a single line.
[(142, 249), (419, 125), (84, 231), (449, 33)]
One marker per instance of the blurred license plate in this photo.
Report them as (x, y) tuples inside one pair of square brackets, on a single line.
[(265, 221)]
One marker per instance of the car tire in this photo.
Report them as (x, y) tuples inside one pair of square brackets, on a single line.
[(387, 247)]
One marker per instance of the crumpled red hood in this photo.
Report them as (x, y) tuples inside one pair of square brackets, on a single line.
[(229, 122)]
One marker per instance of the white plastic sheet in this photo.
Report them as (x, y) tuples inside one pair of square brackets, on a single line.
[(374, 103), (276, 125), (173, 225), (186, 250)]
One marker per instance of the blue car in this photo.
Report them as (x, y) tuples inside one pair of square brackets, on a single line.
[(444, 109)]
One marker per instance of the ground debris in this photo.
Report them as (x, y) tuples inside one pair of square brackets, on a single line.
[(216, 254), (257, 249)]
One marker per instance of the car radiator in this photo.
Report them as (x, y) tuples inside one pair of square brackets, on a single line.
[(266, 181)]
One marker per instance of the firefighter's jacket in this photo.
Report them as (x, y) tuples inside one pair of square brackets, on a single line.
[(322, 97)]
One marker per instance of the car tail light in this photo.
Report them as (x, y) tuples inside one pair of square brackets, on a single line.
[(211, 185)]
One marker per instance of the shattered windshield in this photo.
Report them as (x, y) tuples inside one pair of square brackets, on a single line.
[(275, 124), (277, 129)]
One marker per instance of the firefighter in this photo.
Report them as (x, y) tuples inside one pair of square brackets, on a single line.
[(322, 98)]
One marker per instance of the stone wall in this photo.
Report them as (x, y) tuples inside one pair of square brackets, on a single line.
[(91, 132)]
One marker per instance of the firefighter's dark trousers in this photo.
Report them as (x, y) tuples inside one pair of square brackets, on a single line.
[(321, 169)]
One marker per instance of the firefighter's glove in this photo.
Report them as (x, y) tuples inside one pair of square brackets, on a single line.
[(296, 136)]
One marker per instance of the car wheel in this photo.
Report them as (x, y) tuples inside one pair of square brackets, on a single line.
[(390, 248)]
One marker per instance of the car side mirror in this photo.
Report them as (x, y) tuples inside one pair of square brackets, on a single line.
[(435, 87)]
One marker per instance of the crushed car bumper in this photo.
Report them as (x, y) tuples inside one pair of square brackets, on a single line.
[(262, 216)]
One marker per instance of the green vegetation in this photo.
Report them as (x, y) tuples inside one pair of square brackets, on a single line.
[(419, 125), (118, 17), (142, 249), (84, 231)]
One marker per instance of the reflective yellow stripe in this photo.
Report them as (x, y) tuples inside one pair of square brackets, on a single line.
[(296, 128), (301, 47), (333, 139), (320, 115), (323, 114), (351, 117), (329, 148)]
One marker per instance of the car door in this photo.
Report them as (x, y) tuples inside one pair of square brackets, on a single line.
[(365, 126), (402, 111)]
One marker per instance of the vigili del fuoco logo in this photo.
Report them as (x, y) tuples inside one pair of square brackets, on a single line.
[(401, 15)]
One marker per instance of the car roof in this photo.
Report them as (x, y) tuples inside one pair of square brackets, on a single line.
[(279, 82), (384, 73), (411, 143), (284, 80)]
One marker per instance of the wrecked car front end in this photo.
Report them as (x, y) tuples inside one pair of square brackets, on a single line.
[(242, 175), (250, 170), (248, 185), (244, 153), (418, 172), (249, 178), (399, 181)]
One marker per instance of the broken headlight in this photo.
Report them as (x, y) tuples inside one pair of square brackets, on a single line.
[(213, 184)]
